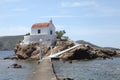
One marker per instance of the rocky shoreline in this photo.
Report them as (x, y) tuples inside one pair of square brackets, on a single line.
[(84, 51)]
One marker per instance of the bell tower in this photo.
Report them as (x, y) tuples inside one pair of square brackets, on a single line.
[(50, 20)]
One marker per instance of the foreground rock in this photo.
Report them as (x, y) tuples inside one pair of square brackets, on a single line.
[(30, 51), (84, 51), (15, 66), (65, 79), (11, 58)]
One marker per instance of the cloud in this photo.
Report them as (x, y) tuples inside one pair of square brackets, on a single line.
[(13, 12), (61, 27), (87, 30), (8, 1), (96, 9), (61, 16), (14, 30), (78, 4), (95, 31), (20, 9), (3, 16), (108, 11)]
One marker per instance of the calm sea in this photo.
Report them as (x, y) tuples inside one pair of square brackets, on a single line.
[(89, 70), (15, 74), (78, 70)]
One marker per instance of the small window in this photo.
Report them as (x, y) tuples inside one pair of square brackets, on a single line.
[(39, 31), (51, 32)]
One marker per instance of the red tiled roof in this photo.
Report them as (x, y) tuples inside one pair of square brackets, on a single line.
[(40, 25)]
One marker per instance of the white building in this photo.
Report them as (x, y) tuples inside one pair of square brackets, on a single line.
[(41, 31)]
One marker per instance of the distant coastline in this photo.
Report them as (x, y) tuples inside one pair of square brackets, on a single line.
[(9, 42)]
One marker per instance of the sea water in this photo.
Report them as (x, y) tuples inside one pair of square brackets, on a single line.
[(23, 73), (78, 70), (89, 70)]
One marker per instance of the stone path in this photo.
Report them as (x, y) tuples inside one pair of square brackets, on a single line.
[(44, 71)]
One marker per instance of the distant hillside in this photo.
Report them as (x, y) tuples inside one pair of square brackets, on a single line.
[(93, 45), (84, 42), (8, 42)]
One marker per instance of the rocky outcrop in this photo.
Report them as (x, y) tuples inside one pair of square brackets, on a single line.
[(8, 42), (30, 51), (84, 51), (88, 52), (59, 46)]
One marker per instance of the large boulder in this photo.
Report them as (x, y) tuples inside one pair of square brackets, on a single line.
[(30, 51)]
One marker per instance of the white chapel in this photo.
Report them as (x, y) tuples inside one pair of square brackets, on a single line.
[(41, 31)]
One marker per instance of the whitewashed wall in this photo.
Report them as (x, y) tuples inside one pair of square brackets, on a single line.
[(46, 39), (51, 27), (44, 30), (34, 31)]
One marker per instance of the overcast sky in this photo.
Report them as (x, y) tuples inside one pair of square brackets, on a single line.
[(96, 21)]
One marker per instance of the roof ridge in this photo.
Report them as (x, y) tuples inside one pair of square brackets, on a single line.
[(40, 25)]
